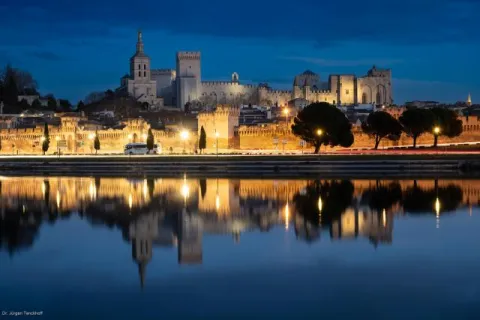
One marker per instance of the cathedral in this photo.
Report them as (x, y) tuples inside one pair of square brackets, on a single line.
[(182, 85)]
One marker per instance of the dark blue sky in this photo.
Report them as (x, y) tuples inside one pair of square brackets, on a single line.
[(75, 47)]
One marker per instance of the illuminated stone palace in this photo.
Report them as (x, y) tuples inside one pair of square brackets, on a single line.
[(184, 84)]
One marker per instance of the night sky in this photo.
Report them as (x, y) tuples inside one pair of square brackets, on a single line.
[(75, 47)]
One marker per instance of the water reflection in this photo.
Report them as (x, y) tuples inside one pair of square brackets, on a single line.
[(154, 212)]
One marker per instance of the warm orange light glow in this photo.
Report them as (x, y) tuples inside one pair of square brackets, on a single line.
[(91, 136), (58, 199), (384, 217), (286, 111), (436, 130), (184, 135), (319, 132), (287, 216), (217, 202), (130, 201)]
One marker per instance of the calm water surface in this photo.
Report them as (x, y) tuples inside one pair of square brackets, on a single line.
[(150, 248)]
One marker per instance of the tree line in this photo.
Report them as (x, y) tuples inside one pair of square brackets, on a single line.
[(15, 82), (324, 124)]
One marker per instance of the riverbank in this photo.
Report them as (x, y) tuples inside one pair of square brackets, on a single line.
[(387, 164)]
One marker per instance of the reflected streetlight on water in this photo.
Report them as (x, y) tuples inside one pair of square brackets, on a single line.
[(287, 216), (437, 211)]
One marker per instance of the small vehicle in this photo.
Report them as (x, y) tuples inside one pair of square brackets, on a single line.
[(141, 148)]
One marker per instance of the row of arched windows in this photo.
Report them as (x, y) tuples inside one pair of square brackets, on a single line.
[(471, 127)]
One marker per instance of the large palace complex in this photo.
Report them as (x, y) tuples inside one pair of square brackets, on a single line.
[(184, 84)]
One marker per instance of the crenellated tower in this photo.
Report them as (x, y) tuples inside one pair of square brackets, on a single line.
[(189, 77)]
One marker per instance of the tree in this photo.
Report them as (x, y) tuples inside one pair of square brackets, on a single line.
[(96, 143), (36, 104), (448, 123), (64, 105), (46, 139), (322, 123), (381, 124), (52, 103), (26, 84), (416, 122), (80, 105), (10, 90), (150, 140), (202, 141), (24, 105), (94, 97)]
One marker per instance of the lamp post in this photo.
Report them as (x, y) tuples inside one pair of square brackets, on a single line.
[(57, 138), (216, 141), (286, 112), (184, 136), (91, 136), (319, 133), (436, 133)]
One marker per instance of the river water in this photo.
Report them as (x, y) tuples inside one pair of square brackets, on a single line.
[(189, 248)]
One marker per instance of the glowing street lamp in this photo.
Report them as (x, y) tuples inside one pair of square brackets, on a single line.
[(319, 132), (436, 132), (57, 138), (145, 136), (286, 112), (184, 135)]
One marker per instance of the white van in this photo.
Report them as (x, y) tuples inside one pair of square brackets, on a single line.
[(141, 148)]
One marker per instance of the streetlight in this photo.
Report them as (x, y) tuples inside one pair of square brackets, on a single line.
[(91, 136), (286, 112), (57, 138), (216, 141), (145, 136), (184, 136), (319, 132), (436, 133)]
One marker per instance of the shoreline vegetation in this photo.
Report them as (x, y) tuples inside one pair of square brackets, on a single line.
[(243, 165)]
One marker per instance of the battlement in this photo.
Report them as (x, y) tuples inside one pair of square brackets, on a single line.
[(162, 71), (280, 91), (222, 110), (188, 55), (322, 91), (225, 83)]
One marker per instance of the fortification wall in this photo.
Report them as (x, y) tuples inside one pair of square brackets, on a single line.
[(28, 141), (263, 137)]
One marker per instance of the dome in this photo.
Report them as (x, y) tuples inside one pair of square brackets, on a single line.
[(309, 73)]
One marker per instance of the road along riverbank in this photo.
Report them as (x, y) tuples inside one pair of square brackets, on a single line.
[(244, 165)]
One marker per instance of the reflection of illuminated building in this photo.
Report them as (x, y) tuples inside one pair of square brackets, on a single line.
[(305, 230), (142, 233), (378, 227), (190, 239)]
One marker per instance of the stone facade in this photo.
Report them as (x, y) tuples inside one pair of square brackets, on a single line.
[(139, 83), (80, 141), (184, 84), (224, 121)]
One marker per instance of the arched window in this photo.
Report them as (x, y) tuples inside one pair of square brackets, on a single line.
[(139, 73), (364, 98), (144, 67), (144, 73), (379, 98), (139, 66)]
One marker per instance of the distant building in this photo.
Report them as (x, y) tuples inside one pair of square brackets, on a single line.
[(184, 84)]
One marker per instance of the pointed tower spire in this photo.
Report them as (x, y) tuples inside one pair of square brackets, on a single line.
[(469, 100), (141, 272), (139, 42)]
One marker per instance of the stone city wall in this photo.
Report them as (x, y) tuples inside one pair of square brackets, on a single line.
[(266, 137)]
